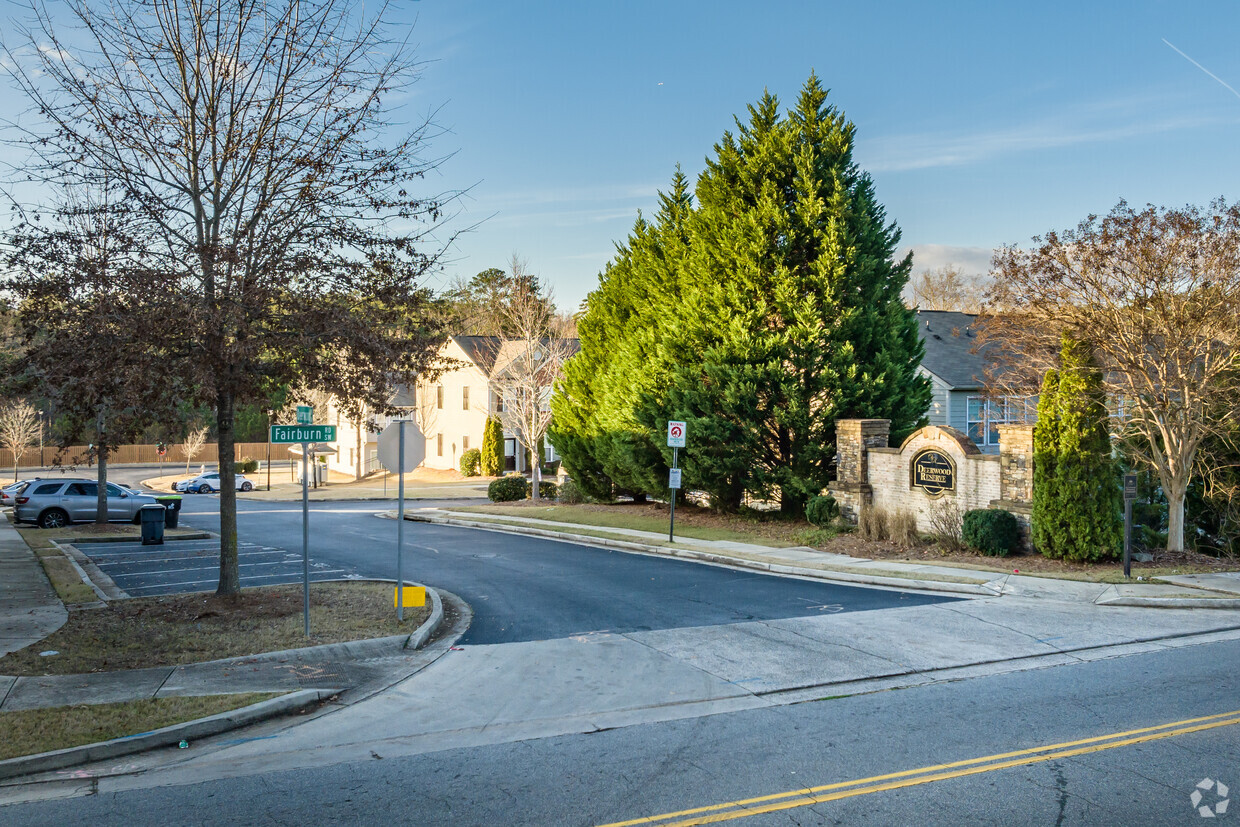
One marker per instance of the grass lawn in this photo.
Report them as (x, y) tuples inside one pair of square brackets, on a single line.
[(691, 521), (190, 628), (29, 732), (769, 529)]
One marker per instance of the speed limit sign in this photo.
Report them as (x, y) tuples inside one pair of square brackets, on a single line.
[(676, 434)]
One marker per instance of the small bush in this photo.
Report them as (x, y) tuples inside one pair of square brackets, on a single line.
[(822, 511), (508, 489), (245, 466), (946, 522), (902, 528), (872, 524), (991, 531), (471, 462), (570, 492), (546, 489)]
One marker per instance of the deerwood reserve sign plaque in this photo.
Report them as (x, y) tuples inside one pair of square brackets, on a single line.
[(933, 472)]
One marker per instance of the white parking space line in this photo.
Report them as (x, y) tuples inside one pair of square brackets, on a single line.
[(215, 581), (181, 559)]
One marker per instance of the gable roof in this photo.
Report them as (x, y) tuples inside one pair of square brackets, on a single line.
[(481, 350), (950, 340)]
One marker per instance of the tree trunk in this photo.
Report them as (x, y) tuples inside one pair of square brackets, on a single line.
[(535, 476), (230, 574), (1175, 518), (360, 420), (101, 504)]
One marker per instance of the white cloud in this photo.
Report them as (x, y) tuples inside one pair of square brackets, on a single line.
[(897, 153), (973, 261)]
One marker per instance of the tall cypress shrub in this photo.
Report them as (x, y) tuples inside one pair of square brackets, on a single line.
[(1077, 508), (492, 459), (1044, 529)]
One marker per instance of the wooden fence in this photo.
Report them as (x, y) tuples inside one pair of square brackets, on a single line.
[(140, 454)]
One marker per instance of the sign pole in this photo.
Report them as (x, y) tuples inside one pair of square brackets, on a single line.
[(305, 533), (1130, 494), (671, 526), (400, 529)]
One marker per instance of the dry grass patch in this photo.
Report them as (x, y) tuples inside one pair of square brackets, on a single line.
[(29, 732), (190, 628)]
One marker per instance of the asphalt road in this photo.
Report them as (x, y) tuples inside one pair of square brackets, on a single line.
[(1084, 744), (520, 588)]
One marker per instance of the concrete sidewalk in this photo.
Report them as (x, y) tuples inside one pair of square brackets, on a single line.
[(29, 607), (1206, 591)]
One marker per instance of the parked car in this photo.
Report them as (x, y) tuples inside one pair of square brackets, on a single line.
[(209, 483), (12, 490), (57, 503)]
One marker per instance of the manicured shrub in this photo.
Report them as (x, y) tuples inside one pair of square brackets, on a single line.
[(491, 462), (471, 462), (991, 531), (570, 492), (822, 511), (245, 466), (508, 489), (546, 489)]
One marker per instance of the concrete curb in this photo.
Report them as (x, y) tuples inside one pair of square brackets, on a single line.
[(237, 718), (1173, 602), (128, 745), (982, 590), (195, 535)]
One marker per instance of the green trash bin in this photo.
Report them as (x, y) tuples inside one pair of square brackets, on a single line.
[(152, 517), (171, 504)]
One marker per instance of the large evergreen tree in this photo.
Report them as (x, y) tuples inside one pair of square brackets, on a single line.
[(760, 316)]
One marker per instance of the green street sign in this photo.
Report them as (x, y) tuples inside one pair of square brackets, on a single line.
[(305, 415), (288, 434)]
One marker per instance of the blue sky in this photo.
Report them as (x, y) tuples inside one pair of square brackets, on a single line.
[(981, 123)]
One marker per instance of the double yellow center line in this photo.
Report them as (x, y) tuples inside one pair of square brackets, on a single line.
[(939, 772)]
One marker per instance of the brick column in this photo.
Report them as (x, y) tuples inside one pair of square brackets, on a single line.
[(853, 439)]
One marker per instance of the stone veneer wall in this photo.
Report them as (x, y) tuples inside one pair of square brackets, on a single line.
[(977, 475), (871, 472)]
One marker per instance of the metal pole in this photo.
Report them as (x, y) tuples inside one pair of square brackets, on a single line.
[(269, 418), (400, 529), (671, 527), (1127, 536), (305, 533)]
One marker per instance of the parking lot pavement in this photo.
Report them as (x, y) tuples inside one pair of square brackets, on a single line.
[(193, 565)]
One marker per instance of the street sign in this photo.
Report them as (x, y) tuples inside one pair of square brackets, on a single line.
[(676, 432), (289, 434), (305, 415), (1130, 486), (389, 447), (673, 478)]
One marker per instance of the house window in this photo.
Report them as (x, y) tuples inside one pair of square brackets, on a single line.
[(465, 443), (465, 398), (439, 397), (439, 444), (985, 415), (499, 403)]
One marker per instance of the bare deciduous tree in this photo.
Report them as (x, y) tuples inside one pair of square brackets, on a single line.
[(528, 363), (1157, 293), (947, 288), (254, 148), (195, 440), (19, 429)]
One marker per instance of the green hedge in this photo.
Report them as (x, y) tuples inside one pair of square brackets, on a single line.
[(508, 489), (546, 489), (822, 511), (471, 462), (991, 531), (246, 466)]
